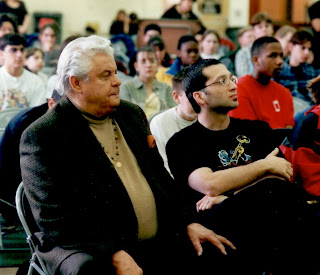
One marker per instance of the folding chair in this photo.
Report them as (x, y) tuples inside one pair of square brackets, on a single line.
[(28, 222)]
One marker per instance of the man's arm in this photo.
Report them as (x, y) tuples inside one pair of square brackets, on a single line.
[(211, 183)]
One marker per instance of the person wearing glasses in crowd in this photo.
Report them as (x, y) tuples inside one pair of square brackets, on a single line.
[(261, 98), (229, 169)]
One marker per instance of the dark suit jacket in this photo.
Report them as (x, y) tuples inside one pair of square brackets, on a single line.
[(75, 194)]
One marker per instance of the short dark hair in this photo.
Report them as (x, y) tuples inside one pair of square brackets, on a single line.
[(260, 44), (194, 80), (152, 26), (156, 41), (184, 39), (177, 81), (7, 18), (12, 39), (301, 36)]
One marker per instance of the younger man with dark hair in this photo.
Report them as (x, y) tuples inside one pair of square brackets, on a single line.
[(296, 72), (261, 98), (217, 155), (19, 88)]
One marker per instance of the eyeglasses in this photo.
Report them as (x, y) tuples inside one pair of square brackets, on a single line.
[(225, 81)]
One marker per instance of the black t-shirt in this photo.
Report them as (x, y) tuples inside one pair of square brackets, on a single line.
[(19, 12), (243, 142)]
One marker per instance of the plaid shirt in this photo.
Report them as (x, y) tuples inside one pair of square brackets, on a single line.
[(297, 82), (243, 63)]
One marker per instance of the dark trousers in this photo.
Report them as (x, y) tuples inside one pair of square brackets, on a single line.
[(272, 227)]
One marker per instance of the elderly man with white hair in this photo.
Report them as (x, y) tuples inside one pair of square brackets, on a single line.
[(94, 179)]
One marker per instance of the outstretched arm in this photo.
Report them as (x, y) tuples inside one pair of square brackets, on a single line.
[(211, 183)]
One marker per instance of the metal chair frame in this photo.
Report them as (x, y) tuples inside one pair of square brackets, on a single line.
[(21, 200)]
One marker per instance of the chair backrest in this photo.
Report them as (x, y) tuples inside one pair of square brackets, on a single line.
[(30, 227), (6, 115)]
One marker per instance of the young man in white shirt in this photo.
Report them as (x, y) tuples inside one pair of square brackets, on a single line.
[(19, 88), (169, 122)]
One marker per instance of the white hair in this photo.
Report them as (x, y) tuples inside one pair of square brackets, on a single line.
[(75, 59)]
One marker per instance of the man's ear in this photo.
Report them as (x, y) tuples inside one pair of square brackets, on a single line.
[(255, 60), (178, 53), (175, 96), (199, 98), (290, 46), (75, 84)]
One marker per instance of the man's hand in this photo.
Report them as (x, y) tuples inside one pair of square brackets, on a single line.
[(207, 202), (124, 264), (278, 166), (199, 234)]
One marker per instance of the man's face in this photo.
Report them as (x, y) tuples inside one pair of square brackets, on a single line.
[(6, 28), (186, 5), (48, 37), (284, 41), (13, 56), (188, 53), (219, 98), (184, 106), (100, 92), (146, 65), (149, 34), (262, 29), (300, 52), (270, 59)]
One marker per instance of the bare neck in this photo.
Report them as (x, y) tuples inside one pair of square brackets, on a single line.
[(214, 121), (16, 72)]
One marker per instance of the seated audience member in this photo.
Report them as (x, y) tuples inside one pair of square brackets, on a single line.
[(10, 173), (245, 38), (47, 43), (145, 90), (260, 211), (7, 25), (151, 30), (187, 54), (121, 24), (163, 57), (17, 9), (284, 35), (262, 26), (314, 16), (34, 62), (164, 125), (121, 189), (261, 98), (304, 147), (19, 88), (210, 45), (296, 72), (183, 10)]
